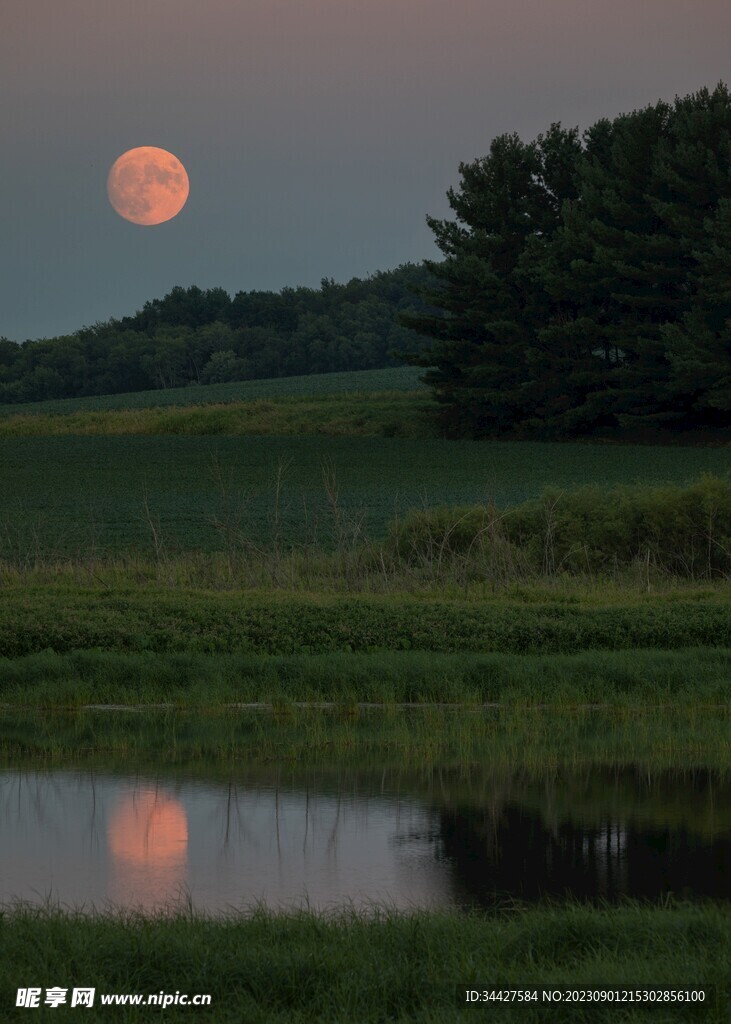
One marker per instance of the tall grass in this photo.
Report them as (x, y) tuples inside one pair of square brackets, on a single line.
[(374, 968), (680, 531), (625, 678), (444, 754)]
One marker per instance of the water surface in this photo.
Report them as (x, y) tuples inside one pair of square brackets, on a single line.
[(331, 838)]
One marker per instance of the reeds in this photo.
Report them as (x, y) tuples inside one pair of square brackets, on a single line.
[(457, 751), (630, 678)]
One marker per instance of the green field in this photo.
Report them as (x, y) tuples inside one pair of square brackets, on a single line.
[(61, 495), (399, 378)]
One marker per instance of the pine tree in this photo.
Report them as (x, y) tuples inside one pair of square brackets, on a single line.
[(699, 348), (487, 309), (622, 269), (592, 268), (691, 175)]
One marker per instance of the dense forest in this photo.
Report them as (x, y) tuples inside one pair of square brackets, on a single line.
[(585, 287), (195, 336), (586, 284)]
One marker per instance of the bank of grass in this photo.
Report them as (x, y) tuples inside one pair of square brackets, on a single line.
[(358, 414), (165, 621), (445, 754), (371, 570), (265, 968), (643, 568), (628, 678)]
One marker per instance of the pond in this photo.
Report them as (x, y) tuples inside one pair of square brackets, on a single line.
[(327, 837)]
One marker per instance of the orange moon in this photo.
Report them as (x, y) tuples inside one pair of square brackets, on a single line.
[(149, 829), (147, 185)]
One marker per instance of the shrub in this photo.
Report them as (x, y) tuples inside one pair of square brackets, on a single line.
[(684, 531)]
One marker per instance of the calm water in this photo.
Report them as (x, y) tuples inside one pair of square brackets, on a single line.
[(357, 838)]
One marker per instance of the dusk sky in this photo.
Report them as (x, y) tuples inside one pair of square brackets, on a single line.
[(317, 134)]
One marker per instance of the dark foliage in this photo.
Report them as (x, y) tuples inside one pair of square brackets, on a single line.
[(192, 336), (585, 285)]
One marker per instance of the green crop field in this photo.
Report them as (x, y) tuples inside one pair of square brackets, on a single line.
[(90, 494), (399, 378)]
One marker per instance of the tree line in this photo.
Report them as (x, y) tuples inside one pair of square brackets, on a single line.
[(586, 280), (196, 336)]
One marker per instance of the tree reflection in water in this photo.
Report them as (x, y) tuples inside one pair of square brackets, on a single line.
[(527, 850)]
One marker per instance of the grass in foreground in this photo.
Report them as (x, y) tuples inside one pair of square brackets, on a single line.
[(385, 967)]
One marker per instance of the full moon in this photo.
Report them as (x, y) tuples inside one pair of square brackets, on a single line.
[(147, 185)]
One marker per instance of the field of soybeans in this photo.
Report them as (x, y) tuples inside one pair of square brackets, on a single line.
[(73, 495)]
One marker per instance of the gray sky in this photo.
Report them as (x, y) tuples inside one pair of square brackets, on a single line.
[(317, 134)]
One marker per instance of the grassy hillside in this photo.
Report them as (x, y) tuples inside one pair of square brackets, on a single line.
[(356, 414), (401, 378)]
